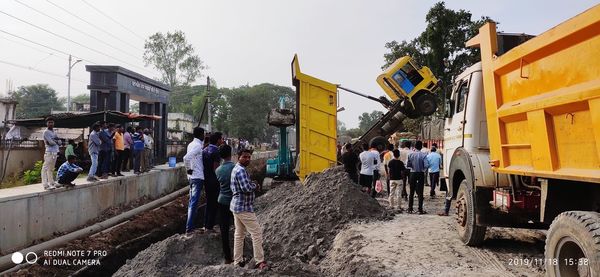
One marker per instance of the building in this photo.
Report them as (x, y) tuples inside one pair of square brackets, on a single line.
[(180, 124), (7, 112)]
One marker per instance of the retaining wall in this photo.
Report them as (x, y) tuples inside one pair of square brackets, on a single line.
[(29, 218)]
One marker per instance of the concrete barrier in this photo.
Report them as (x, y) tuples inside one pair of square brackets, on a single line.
[(29, 218)]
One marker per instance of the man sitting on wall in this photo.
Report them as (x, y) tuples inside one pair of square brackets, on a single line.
[(68, 171)]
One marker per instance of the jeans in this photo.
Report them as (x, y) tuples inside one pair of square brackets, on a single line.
[(137, 156), (447, 203), (125, 161), (434, 179), (116, 166), (67, 178), (94, 166), (195, 191), (48, 168), (225, 216), (416, 185), (405, 175), (104, 161), (211, 190)]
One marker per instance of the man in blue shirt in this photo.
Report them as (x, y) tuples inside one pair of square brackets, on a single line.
[(224, 176), (68, 171), (418, 165), (106, 149), (434, 160), (242, 206), (211, 160)]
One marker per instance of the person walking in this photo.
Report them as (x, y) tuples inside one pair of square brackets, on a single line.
[(94, 143), (127, 152), (418, 165), (195, 172), (68, 172), (211, 160), (138, 150), (350, 161), (50, 154), (388, 155), (106, 149), (404, 152), (396, 169), (119, 143), (242, 206), (226, 217), (434, 161)]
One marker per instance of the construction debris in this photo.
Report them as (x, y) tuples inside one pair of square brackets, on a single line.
[(299, 223)]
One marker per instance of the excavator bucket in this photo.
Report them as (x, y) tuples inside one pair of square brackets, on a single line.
[(316, 122)]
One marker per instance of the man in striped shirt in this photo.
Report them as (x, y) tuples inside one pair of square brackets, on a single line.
[(242, 206), (68, 171)]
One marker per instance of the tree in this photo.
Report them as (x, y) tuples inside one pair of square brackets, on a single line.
[(81, 98), (36, 101), (366, 120), (354, 132), (441, 46), (171, 54)]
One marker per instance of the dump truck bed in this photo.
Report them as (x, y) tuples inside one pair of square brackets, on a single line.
[(542, 101)]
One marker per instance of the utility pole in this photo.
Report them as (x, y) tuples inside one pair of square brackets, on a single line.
[(69, 83), (208, 103)]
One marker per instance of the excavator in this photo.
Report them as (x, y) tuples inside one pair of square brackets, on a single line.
[(412, 93)]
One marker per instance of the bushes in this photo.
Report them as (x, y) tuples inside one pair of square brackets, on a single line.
[(33, 175)]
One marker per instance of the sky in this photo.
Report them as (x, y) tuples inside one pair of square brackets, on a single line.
[(241, 41)]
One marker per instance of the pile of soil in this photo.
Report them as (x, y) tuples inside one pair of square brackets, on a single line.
[(300, 221), (299, 224)]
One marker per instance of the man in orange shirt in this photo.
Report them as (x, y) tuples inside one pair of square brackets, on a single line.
[(119, 143)]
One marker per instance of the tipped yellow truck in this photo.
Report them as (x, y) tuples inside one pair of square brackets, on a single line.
[(522, 140)]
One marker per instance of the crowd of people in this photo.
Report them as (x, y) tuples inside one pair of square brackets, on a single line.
[(229, 192), (112, 149), (398, 167)]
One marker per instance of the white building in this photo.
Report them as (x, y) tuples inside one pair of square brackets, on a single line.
[(179, 124)]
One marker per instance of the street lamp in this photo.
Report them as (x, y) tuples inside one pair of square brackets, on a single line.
[(69, 84)]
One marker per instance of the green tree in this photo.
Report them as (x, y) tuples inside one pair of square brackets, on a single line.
[(36, 101), (81, 98), (354, 132), (366, 120), (174, 58), (341, 127), (441, 46)]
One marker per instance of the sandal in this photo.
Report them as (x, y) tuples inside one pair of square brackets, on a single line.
[(262, 266)]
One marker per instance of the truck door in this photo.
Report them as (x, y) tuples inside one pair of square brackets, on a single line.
[(455, 122)]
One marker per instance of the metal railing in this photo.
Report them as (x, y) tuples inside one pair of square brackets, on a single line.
[(31, 144)]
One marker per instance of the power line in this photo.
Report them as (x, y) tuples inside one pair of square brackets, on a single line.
[(77, 30), (38, 70), (93, 25), (113, 20), (70, 40), (43, 45)]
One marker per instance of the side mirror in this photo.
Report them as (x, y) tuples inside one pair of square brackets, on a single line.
[(448, 108)]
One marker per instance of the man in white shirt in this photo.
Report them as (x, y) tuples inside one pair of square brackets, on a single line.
[(404, 151), (195, 170), (366, 169)]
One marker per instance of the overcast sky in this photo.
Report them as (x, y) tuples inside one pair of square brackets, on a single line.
[(243, 41)]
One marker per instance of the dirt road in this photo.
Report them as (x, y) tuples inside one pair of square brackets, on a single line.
[(427, 245)]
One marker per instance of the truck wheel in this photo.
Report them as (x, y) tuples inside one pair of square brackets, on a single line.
[(470, 233), (425, 103), (407, 109), (573, 245)]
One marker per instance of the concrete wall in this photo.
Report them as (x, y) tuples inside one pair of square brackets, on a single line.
[(25, 219), (19, 159)]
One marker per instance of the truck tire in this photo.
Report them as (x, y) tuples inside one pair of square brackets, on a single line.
[(573, 245), (425, 103), (470, 233), (407, 109)]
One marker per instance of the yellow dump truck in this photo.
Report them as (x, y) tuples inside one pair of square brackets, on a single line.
[(522, 140)]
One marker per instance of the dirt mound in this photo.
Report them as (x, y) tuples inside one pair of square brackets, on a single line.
[(299, 224), (301, 221)]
